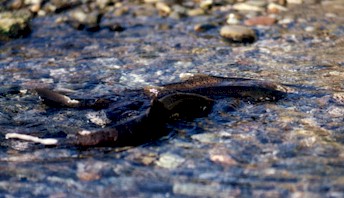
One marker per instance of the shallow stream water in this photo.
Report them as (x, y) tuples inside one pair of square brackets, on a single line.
[(290, 148)]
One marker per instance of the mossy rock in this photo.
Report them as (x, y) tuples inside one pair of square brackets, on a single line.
[(15, 24)]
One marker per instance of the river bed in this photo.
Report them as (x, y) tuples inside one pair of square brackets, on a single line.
[(290, 148)]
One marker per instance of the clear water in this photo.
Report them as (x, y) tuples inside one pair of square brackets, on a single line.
[(293, 147)]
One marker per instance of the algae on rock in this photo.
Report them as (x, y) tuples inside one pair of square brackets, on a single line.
[(14, 24)]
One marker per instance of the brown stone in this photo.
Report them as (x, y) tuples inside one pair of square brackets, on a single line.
[(260, 20)]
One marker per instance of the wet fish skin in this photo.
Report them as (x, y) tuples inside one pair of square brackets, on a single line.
[(149, 125), (186, 100), (55, 99), (103, 137), (145, 127), (219, 87), (187, 105), (244, 92), (119, 111)]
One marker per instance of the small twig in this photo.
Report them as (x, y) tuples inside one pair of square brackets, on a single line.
[(45, 141)]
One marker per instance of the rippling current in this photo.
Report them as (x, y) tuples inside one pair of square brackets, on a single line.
[(291, 147)]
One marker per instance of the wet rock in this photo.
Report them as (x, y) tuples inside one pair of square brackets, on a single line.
[(206, 4), (195, 12), (16, 4), (14, 24), (286, 21), (304, 1), (141, 157), (275, 8), (309, 29), (338, 97), (163, 8), (260, 20), (258, 3), (35, 8), (90, 171), (81, 20), (103, 3), (147, 159), (233, 18), (179, 9), (205, 137), (151, 1), (120, 11), (98, 118), (220, 155), (62, 5), (281, 2), (248, 7), (237, 33), (294, 1), (147, 11), (34, 5), (203, 27), (336, 112), (170, 161)]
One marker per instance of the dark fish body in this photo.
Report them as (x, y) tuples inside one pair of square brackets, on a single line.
[(187, 105), (219, 87), (146, 127), (142, 115), (244, 92)]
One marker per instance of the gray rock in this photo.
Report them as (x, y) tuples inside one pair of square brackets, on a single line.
[(205, 137), (169, 161), (81, 20), (237, 33)]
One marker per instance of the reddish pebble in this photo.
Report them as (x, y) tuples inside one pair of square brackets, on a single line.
[(260, 20)]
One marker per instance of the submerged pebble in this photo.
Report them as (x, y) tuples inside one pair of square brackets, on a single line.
[(170, 161), (220, 155), (98, 118), (238, 33), (205, 137)]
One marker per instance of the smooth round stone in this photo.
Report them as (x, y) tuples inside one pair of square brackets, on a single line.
[(237, 33)]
